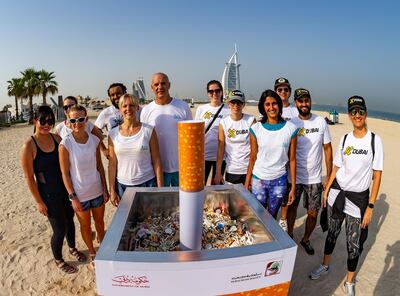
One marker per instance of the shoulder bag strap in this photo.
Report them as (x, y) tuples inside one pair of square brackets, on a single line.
[(214, 118)]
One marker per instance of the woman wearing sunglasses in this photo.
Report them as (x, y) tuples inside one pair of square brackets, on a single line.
[(83, 176), (211, 114), (272, 147), (358, 163), (134, 153), (41, 166), (234, 141)]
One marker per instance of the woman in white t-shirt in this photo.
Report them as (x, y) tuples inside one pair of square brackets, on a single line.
[(358, 163), (272, 146), (234, 141), (134, 152), (207, 112), (83, 176)]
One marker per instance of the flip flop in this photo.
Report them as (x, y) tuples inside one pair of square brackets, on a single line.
[(64, 266), (78, 255)]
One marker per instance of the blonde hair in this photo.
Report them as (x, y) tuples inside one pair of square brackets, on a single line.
[(126, 97), (76, 108)]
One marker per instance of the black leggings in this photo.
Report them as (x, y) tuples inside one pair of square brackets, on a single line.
[(61, 218), (212, 164)]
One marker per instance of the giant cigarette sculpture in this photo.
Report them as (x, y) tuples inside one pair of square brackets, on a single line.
[(191, 183)]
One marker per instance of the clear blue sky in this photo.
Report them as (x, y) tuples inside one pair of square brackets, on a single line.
[(333, 48)]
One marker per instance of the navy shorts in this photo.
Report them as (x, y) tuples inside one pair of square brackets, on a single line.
[(93, 203)]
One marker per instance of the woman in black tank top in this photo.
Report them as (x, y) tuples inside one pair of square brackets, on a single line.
[(41, 166)]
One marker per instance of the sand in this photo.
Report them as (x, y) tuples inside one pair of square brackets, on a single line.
[(27, 266)]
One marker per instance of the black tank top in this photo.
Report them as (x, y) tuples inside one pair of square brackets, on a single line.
[(46, 166)]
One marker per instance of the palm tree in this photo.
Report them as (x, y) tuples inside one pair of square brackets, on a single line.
[(31, 87), (15, 88), (47, 84)]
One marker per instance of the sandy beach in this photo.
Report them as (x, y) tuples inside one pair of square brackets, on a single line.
[(27, 266)]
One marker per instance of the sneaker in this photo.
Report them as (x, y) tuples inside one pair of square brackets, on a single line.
[(283, 224), (307, 246), (350, 288), (321, 270)]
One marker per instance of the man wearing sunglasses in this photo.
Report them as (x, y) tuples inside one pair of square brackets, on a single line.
[(283, 89), (163, 113), (313, 138)]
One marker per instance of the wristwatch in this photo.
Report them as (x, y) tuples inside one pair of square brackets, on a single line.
[(371, 205), (71, 196)]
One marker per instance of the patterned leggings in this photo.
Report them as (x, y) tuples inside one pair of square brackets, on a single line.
[(355, 236)]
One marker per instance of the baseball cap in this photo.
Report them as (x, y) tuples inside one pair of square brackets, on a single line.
[(280, 81), (301, 92), (356, 102), (235, 95)]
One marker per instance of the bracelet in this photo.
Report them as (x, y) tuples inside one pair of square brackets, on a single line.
[(72, 195)]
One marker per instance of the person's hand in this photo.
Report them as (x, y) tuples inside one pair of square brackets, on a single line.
[(76, 205), (325, 198), (325, 184), (218, 179), (247, 186), (367, 218), (291, 196), (115, 199), (106, 195), (42, 208)]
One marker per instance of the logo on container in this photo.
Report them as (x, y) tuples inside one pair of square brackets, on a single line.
[(273, 267), (131, 281)]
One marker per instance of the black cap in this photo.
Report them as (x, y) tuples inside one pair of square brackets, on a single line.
[(301, 92), (281, 81), (356, 102), (235, 95)]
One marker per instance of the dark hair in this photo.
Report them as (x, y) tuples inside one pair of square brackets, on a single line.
[(71, 98), (219, 85), (118, 84), (43, 112), (264, 95)]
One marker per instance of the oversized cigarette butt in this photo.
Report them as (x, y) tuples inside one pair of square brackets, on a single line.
[(191, 155)]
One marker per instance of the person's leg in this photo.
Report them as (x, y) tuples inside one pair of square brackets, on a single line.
[(70, 225), (175, 179), (292, 209), (98, 217), (313, 195), (259, 191), (277, 190), (57, 238), (86, 231), (120, 189)]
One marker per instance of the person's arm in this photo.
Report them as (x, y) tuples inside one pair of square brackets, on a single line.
[(376, 183), (65, 166), (112, 173), (328, 162), (100, 169), (156, 160), (292, 168), (252, 160), (329, 184), (97, 132), (218, 179), (26, 160)]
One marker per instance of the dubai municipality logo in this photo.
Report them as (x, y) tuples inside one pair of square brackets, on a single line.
[(348, 150), (231, 133), (208, 115)]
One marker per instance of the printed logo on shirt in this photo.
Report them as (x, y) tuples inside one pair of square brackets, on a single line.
[(177, 117), (144, 148), (232, 133), (116, 121), (304, 131), (209, 115), (351, 150)]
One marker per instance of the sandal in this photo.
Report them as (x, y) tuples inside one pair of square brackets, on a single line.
[(64, 266), (91, 260), (78, 255)]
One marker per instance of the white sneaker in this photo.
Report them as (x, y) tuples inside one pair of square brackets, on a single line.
[(350, 288), (283, 224), (321, 270)]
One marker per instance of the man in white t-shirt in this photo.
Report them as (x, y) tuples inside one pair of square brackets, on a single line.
[(313, 138), (283, 89), (164, 113)]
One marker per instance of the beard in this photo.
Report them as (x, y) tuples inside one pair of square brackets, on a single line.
[(306, 113), (115, 103)]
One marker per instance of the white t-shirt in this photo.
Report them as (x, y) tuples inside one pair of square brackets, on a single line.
[(273, 149), (109, 117), (206, 113), (356, 167), (237, 143), (289, 112), (83, 167), (165, 118), (312, 135), (63, 130), (133, 156)]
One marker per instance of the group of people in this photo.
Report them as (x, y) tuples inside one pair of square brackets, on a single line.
[(278, 158)]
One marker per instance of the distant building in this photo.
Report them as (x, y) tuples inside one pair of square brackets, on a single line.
[(231, 77), (138, 89)]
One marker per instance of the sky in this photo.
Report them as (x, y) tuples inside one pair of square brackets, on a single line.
[(335, 49)]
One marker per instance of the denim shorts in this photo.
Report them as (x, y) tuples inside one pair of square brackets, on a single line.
[(93, 203), (171, 179), (122, 187)]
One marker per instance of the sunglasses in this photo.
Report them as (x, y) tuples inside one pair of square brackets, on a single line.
[(359, 111), (66, 107), (75, 120), (43, 121), (236, 102), (212, 91), (281, 89)]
